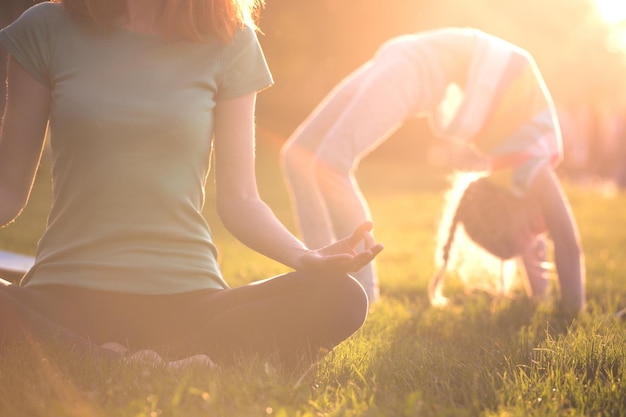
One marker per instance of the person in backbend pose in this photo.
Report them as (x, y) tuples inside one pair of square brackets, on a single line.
[(501, 108)]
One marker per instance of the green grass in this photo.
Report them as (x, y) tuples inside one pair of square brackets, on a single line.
[(483, 356)]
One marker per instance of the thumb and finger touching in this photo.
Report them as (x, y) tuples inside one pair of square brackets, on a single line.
[(342, 255)]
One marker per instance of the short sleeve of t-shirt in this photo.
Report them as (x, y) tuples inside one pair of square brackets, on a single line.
[(29, 39), (244, 67)]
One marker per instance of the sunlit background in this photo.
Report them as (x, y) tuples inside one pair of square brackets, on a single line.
[(579, 45), (613, 12)]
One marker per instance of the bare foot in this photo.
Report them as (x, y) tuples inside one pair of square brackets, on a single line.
[(152, 358)]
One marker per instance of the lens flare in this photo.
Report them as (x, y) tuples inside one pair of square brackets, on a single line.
[(612, 11)]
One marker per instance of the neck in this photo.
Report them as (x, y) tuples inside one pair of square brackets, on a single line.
[(142, 16)]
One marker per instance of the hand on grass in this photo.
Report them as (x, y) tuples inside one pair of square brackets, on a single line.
[(341, 256)]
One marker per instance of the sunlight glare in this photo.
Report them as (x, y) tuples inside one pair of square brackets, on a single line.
[(612, 11)]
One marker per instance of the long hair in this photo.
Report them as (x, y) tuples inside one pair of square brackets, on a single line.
[(485, 211), (192, 20)]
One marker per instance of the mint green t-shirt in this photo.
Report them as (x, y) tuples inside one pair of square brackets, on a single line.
[(130, 129)]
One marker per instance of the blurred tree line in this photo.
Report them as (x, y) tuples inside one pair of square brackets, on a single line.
[(311, 45)]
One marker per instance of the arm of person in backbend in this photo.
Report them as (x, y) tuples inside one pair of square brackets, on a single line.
[(22, 137), (535, 263), (248, 217), (561, 226)]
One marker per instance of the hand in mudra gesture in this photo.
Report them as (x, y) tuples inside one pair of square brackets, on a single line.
[(342, 255)]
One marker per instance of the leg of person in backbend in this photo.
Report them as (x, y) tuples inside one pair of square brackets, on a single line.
[(383, 99), (299, 153)]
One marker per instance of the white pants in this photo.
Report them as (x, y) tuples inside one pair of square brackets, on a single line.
[(320, 158)]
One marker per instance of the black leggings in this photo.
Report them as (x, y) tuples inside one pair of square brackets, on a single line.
[(290, 314)]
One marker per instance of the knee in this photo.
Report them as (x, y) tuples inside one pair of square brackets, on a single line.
[(349, 299), (288, 155), (295, 157), (296, 163), (328, 176), (305, 167)]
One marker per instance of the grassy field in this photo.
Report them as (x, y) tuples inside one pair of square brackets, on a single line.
[(484, 356)]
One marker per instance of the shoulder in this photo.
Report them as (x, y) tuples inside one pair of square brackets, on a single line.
[(244, 45), (43, 15), (45, 10), (243, 40), (37, 24), (245, 35)]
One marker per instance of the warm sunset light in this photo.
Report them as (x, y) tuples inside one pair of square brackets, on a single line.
[(612, 11)]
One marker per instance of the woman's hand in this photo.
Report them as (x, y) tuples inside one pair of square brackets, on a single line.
[(342, 256)]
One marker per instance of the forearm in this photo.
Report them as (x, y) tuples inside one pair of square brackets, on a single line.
[(563, 231), (250, 220), (569, 262), (253, 223), (534, 260)]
